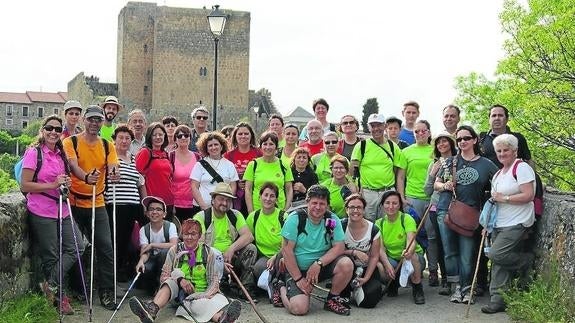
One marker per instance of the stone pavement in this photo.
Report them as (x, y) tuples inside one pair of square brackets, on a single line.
[(400, 309)]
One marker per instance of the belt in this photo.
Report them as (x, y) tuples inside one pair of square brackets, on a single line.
[(386, 188)]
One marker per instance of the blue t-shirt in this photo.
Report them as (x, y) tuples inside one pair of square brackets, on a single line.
[(407, 136), (311, 246)]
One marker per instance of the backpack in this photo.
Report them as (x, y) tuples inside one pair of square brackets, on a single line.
[(421, 237), (165, 156), (374, 229), (538, 198), (302, 220), (362, 144), (39, 160), (282, 167), (166, 226), (106, 153), (208, 218)]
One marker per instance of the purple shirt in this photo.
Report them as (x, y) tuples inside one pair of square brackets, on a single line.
[(52, 166)]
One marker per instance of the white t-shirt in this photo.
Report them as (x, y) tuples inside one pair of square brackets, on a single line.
[(223, 167), (512, 214), (363, 244), (157, 237)]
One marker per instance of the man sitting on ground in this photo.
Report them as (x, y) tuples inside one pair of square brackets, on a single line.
[(312, 250)]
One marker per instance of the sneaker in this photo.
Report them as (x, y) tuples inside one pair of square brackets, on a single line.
[(418, 296), (231, 312), (493, 308), (467, 298), (107, 299), (65, 306), (338, 305), (456, 297), (146, 311), (276, 295), (446, 289), (433, 279)]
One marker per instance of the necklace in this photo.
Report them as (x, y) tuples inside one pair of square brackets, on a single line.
[(211, 161), (467, 162)]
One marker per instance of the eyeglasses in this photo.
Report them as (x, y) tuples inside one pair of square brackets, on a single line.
[(157, 209), (346, 123), (352, 207), (466, 138), (190, 235), (201, 117), (49, 128), (95, 119), (183, 135), (330, 142), (420, 131)]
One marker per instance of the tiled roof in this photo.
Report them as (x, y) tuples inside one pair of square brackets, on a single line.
[(30, 97)]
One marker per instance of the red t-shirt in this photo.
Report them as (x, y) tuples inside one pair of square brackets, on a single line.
[(158, 173), (241, 160), (313, 149)]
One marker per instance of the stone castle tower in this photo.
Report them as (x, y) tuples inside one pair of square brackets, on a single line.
[(166, 60)]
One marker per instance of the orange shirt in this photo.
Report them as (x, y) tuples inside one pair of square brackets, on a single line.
[(90, 156)]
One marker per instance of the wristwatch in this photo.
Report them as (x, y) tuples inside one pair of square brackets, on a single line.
[(507, 198), (319, 263)]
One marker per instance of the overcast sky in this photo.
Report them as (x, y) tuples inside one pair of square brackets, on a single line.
[(344, 51)]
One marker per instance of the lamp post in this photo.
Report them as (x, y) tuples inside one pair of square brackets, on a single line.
[(256, 110), (217, 21)]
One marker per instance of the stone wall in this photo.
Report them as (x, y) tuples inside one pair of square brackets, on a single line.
[(556, 240)]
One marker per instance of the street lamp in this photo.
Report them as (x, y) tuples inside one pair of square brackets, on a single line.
[(217, 21), (256, 110)]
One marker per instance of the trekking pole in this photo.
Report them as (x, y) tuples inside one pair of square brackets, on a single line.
[(79, 257), (60, 252), (115, 237), (181, 299), (419, 227), (91, 307), (125, 295), (262, 318), (475, 274)]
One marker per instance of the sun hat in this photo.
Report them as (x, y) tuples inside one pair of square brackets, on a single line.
[(223, 189), (112, 100), (443, 134)]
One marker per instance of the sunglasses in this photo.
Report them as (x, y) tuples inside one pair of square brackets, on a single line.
[(182, 135), (201, 117), (347, 123), (466, 138), (49, 128), (330, 142)]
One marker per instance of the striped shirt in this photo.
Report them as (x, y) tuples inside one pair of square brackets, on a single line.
[(127, 189)]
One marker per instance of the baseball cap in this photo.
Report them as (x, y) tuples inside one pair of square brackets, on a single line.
[(72, 104), (94, 111), (374, 117), (149, 199), (112, 100), (394, 119)]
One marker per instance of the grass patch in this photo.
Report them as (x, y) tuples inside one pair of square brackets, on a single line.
[(30, 307), (548, 299)]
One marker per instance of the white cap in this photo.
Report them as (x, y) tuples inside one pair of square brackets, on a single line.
[(374, 117)]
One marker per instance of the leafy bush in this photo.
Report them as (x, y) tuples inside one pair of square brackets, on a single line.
[(7, 183), (548, 299), (29, 307)]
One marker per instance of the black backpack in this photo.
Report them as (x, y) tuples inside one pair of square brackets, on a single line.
[(302, 220), (208, 218), (166, 226), (374, 229), (281, 215), (106, 153)]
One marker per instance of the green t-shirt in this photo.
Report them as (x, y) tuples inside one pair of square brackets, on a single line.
[(376, 168), (322, 166), (222, 236), (198, 275), (418, 159), (268, 172), (281, 143), (393, 235), (336, 202), (107, 131), (311, 246), (268, 236)]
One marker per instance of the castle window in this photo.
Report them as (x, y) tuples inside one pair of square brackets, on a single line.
[(25, 111), (203, 71), (145, 48), (24, 124), (8, 122), (40, 112), (145, 90), (9, 111), (56, 111)]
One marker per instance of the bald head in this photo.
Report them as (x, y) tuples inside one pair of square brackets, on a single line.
[(314, 131)]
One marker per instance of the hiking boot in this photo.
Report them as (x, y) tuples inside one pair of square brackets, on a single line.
[(433, 278), (231, 312), (392, 289), (446, 289), (418, 296), (276, 295), (146, 311), (49, 292), (107, 299), (493, 308), (65, 306), (338, 305), (456, 297)]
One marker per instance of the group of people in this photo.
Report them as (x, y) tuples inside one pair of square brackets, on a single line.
[(290, 208)]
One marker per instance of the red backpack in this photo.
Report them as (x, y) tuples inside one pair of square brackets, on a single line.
[(538, 199)]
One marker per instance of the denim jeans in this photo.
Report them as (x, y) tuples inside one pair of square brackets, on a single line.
[(458, 252)]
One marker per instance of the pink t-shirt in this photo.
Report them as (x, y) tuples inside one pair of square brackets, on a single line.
[(182, 184), (52, 166)]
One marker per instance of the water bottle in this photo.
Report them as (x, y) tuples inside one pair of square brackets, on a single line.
[(487, 247), (358, 273)]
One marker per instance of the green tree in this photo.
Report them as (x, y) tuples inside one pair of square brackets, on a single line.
[(6, 182), (370, 106), (32, 129), (535, 81)]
